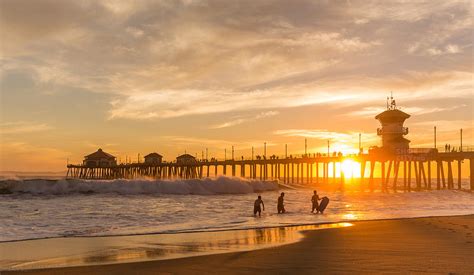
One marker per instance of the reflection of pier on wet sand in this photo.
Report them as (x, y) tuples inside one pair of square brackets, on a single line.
[(430, 245), (77, 251), (414, 170)]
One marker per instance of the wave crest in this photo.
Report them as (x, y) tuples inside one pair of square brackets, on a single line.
[(207, 186)]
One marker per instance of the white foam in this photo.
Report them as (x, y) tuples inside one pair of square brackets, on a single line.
[(207, 186)]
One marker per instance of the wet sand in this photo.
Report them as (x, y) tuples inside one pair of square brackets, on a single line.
[(435, 245)]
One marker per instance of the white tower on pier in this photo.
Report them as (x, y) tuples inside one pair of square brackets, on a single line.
[(392, 130)]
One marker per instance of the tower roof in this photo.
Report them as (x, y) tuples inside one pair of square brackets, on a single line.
[(99, 154), (185, 156), (394, 114), (154, 154)]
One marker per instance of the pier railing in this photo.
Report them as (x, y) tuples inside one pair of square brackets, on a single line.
[(309, 169)]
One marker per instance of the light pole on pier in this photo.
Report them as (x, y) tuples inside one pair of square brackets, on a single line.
[(328, 147), (252, 152), (286, 150), (360, 142), (435, 137), (265, 150), (460, 148), (232, 152), (305, 147)]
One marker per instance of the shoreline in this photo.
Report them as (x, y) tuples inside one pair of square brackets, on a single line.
[(231, 230), (460, 245)]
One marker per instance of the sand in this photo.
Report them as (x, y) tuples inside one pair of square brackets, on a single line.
[(433, 245)]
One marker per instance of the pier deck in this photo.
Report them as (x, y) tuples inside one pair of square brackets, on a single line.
[(306, 169)]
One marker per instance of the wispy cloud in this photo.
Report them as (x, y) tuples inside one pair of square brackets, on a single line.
[(325, 134), (240, 120), (19, 127), (371, 111), (23, 156), (166, 104), (153, 64), (202, 143)]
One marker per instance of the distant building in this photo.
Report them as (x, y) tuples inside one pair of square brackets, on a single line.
[(185, 159), (393, 131), (153, 158), (99, 159)]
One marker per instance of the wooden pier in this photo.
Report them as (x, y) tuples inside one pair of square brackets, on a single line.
[(308, 170)]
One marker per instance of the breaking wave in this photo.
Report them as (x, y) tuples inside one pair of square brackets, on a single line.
[(207, 186)]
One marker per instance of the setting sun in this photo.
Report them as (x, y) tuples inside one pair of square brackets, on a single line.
[(350, 168)]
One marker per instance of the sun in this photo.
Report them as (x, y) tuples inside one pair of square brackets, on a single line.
[(350, 168)]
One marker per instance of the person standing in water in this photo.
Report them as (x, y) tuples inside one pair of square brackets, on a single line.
[(281, 205), (315, 200), (256, 206)]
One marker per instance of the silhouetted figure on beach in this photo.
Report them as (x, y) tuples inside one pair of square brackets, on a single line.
[(281, 205), (257, 208), (315, 200)]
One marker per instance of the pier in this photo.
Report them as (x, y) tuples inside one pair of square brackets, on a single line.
[(393, 166), (408, 172)]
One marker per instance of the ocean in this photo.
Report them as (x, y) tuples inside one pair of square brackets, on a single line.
[(37, 209)]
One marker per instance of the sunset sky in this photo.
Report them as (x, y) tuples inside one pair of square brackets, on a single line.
[(168, 76)]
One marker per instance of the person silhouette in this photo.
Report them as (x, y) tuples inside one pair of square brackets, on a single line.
[(281, 205), (315, 200), (256, 206)]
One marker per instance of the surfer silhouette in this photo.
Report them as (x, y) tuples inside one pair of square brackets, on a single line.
[(315, 200), (281, 205), (257, 208)]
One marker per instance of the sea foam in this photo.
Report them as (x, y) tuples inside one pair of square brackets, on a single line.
[(206, 186)]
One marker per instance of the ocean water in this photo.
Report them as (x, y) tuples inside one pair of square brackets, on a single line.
[(35, 209)]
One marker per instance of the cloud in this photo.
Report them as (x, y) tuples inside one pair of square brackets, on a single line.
[(20, 127), (240, 120), (324, 134), (172, 103), (202, 143), (23, 156), (371, 111), (155, 60)]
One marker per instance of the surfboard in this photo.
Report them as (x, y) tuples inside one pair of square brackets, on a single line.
[(323, 204)]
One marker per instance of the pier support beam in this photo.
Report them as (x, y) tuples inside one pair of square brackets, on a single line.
[(429, 175), (471, 174), (409, 176), (450, 176), (371, 179), (395, 177), (459, 174), (362, 174), (383, 173)]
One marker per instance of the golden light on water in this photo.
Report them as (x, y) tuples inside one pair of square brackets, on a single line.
[(350, 216)]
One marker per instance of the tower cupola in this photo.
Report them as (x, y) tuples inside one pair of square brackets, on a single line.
[(392, 130)]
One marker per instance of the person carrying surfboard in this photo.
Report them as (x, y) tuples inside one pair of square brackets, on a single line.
[(281, 205), (315, 200), (256, 206)]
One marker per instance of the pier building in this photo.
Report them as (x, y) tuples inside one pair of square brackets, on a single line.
[(186, 159), (99, 159), (153, 158)]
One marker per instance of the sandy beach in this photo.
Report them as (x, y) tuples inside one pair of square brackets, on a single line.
[(433, 245)]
